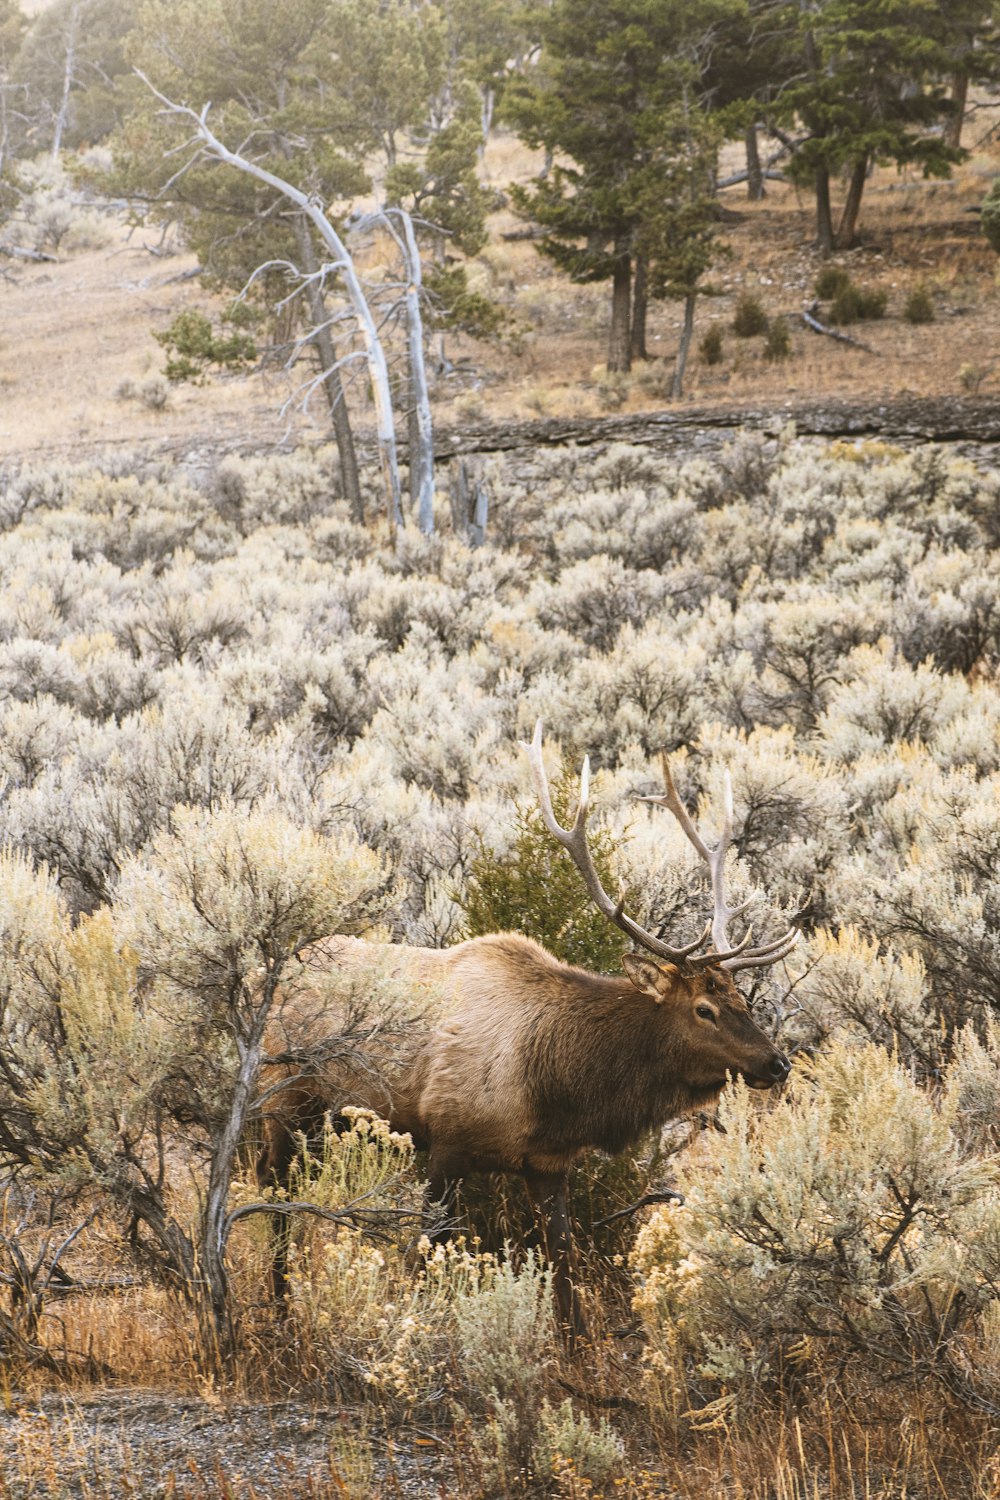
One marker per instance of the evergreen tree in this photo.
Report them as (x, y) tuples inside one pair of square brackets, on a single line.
[(486, 39), (12, 27), (70, 66), (866, 81), (614, 74)]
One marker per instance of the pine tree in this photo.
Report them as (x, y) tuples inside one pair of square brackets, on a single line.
[(866, 81), (613, 73)]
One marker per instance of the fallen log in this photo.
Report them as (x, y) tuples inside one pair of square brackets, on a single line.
[(21, 252), (811, 321)]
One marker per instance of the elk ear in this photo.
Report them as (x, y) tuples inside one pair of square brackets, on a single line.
[(652, 978)]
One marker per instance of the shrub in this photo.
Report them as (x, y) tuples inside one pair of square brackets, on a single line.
[(711, 345), (846, 1228), (196, 345), (571, 1448), (749, 317), (854, 304), (919, 306), (990, 216), (535, 888), (830, 281), (505, 1338), (778, 344)]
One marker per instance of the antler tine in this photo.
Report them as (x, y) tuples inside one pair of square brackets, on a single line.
[(574, 841), (768, 953), (722, 913)]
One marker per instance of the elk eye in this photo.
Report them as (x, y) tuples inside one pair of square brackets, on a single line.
[(706, 1012)]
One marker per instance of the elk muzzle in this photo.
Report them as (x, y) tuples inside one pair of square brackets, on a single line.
[(774, 1069)]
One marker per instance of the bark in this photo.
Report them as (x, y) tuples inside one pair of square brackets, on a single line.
[(619, 352), (333, 385), (852, 204), (215, 1307), (824, 216), (470, 504), (69, 73), (755, 172), (487, 107), (959, 95), (422, 430), (640, 307), (677, 386)]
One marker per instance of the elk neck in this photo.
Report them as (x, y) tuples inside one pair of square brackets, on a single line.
[(605, 1063)]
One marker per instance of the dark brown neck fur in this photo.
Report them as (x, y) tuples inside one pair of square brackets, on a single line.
[(605, 1065)]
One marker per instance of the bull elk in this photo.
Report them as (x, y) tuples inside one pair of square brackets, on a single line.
[(532, 1061)]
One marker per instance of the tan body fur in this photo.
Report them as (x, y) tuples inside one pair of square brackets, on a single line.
[(523, 1063)]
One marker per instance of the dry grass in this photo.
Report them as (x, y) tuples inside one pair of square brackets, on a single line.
[(155, 1425)]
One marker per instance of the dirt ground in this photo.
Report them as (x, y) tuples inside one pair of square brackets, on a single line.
[(151, 1444), (75, 333)]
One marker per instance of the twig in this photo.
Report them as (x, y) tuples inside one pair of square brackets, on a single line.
[(667, 1195)]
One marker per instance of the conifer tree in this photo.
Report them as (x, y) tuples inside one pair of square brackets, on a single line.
[(614, 73), (866, 81)]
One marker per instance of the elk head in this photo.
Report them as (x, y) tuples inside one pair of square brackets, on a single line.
[(711, 1025)]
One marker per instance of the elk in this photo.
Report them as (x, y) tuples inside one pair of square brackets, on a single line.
[(532, 1061)]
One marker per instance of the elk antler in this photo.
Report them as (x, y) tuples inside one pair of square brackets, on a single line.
[(742, 956), (574, 841)]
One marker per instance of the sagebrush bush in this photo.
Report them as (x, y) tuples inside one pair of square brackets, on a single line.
[(843, 1225), (821, 620)]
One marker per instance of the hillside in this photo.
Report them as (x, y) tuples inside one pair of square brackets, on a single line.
[(75, 329)]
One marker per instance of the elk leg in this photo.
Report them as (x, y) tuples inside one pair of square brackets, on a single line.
[(547, 1191), (444, 1174), (273, 1163)]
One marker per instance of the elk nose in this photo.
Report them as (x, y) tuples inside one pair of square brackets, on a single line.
[(780, 1067)]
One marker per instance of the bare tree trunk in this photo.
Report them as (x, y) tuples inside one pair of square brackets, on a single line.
[(640, 308), (852, 204), (375, 354), (422, 431), (216, 1308), (69, 73), (332, 382), (470, 504), (755, 173), (677, 386), (619, 352), (959, 96), (488, 105), (824, 215)]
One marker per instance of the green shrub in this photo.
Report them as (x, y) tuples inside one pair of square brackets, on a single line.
[(855, 304), (830, 281), (749, 317), (990, 216), (711, 345), (196, 345), (536, 889), (872, 303), (778, 344), (919, 306)]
